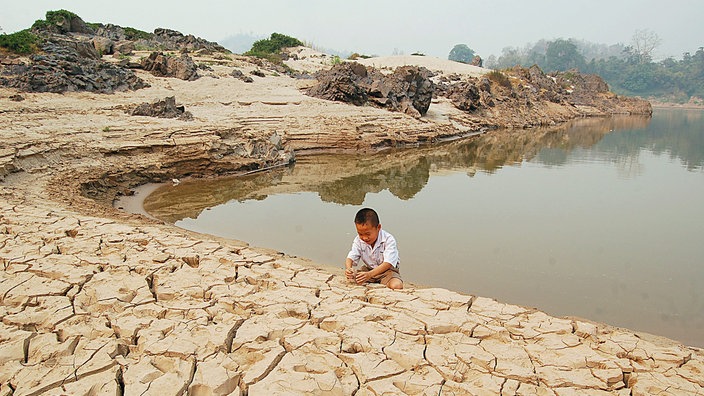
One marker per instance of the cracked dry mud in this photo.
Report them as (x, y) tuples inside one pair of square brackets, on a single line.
[(93, 306)]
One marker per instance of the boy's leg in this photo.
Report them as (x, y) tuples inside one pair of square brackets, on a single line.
[(391, 279)]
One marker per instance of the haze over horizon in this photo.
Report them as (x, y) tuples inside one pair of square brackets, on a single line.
[(387, 27)]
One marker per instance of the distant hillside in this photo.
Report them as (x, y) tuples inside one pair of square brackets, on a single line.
[(241, 42)]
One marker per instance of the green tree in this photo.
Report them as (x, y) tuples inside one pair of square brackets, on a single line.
[(562, 55), (461, 53)]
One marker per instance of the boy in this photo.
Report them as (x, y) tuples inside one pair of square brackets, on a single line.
[(377, 250)]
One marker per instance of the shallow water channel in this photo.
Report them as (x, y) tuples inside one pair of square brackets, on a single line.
[(600, 218)]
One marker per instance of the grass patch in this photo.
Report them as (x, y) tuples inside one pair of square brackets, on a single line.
[(23, 42), (136, 34), (499, 78)]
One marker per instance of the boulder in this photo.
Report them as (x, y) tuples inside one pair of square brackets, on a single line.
[(123, 47), (65, 23), (103, 45), (162, 65), (465, 95), (236, 73), (477, 61), (165, 108), (408, 89), (112, 32), (341, 84)]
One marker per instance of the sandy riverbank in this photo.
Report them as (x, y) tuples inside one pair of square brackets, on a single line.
[(94, 300)]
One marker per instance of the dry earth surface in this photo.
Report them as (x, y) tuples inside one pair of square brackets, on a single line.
[(95, 301)]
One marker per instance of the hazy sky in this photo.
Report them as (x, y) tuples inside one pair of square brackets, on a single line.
[(379, 27)]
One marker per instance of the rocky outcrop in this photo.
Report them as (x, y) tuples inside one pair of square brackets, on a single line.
[(65, 68), (527, 97), (172, 40), (72, 52), (408, 89), (162, 65), (165, 108)]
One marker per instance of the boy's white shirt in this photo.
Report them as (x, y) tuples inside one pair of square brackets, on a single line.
[(384, 250)]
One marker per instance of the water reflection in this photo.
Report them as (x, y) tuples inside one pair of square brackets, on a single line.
[(347, 179)]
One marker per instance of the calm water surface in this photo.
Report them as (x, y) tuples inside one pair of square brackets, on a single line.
[(601, 218)]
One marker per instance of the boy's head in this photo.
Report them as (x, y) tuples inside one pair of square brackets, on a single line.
[(367, 223)]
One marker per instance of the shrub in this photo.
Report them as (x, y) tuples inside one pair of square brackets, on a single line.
[(272, 45), (22, 42), (136, 34), (56, 17), (356, 56), (53, 19), (499, 78), (335, 60)]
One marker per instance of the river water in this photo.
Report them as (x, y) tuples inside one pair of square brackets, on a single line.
[(600, 218)]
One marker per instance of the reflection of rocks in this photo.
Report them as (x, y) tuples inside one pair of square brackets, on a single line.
[(403, 181), (347, 179)]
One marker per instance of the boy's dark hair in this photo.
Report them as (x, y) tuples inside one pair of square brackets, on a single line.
[(367, 215)]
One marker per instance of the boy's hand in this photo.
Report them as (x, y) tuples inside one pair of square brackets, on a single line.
[(349, 273), (362, 277)]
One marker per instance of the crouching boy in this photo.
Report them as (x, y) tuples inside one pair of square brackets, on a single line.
[(376, 249)]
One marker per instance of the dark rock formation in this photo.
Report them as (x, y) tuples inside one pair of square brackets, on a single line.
[(172, 40), (236, 73), (341, 84), (63, 67), (465, 96), (166, 108), (72, 53), (408, 90), (162, 65)]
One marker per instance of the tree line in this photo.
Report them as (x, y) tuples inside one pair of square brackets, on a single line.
[(628, 69)]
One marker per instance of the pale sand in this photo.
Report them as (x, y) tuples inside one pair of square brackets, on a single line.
[(311, 60), (442, 66), (94, 301)]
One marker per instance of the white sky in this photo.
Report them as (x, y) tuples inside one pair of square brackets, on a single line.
[(378, 27)]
